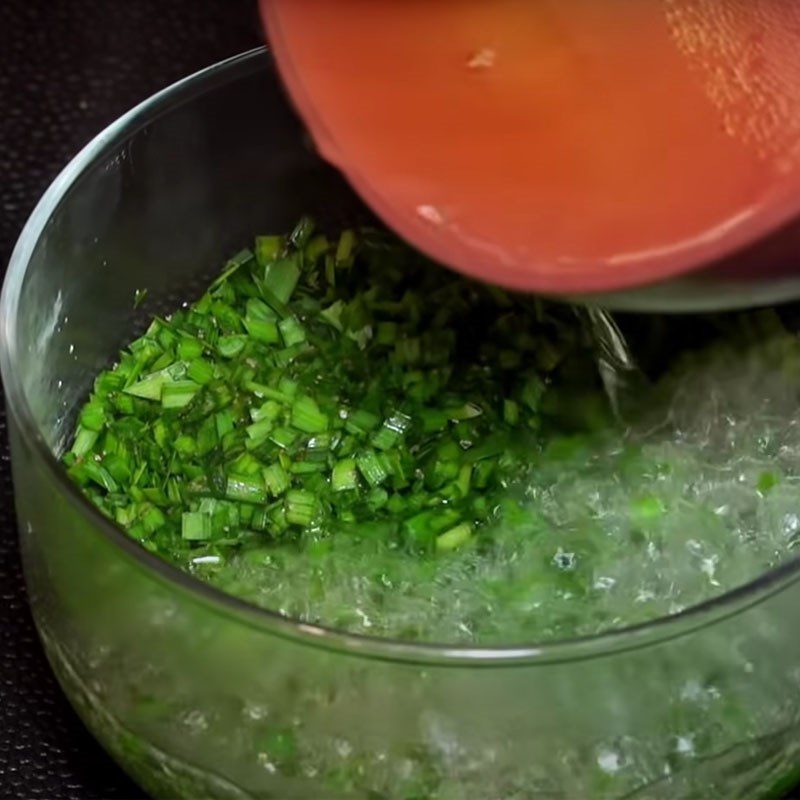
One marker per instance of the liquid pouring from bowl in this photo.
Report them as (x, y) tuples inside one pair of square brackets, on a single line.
[(639, 154)]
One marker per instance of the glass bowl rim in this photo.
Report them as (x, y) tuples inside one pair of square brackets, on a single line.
[(656, 631)]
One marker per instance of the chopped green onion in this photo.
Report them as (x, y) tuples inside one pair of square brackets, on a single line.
[(291, 331), (248, 489), (262, 330), (84, 441), (333, 315), (302, 233), (300, 507), (280, 279), (151, 386), (93, 416), (178, 394), (361, 422), (344, 475), (510, 411), (260, 430), (231, 346), (195, 527), (372, 468), (344, 250), (268, 248), (276, 479), (393, 429), (454, 538), (334, 386), (283, 437), (307, 417), (200, 371)]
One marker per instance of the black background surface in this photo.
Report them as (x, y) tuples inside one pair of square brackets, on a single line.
[(67, 69)]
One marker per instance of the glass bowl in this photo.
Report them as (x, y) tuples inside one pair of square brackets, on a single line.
[(199, 695)]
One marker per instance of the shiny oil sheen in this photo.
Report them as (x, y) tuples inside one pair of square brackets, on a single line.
[(557, 147)]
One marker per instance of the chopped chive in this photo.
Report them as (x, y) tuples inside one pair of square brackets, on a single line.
[(344, 475), (185, 446), (92, 416), (178, 394), (392, 430), (84, 441), (316, 248), (361, 422), (454, 538), (307, 417), (276, 479), (262, 390), (200, 371), (467, 411), (333, 315), (224, 421), (231, 346), (288, 386), (345, 247), (195, 526), (207, 437), (372, 468), (139, 296), (292, 331), (268, 248), (260, 430), (433, 419), (337, 386), (377, 498), (283, 437), (239, 260), (262, 330), (248, 489), (302, 233), (268, 410), (532, 392), (189, 348), (150, 387), (300, 507), (510, 411), (307, 467), (280, 279)]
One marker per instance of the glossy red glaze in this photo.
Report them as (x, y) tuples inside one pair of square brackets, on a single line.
[(551, 146)]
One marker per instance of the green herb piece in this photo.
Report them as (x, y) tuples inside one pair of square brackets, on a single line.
[(178, 394), (454, 538), (307, 417), (195, 527), (276, 479), (268, 248), (280, 280), (230, 346), (248, 489), (344, 476), (372, 468), (393, 429), (300, 507), (291, 331), (344, 250)]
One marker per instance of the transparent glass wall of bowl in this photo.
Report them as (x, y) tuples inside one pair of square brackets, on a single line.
[(195, 697)]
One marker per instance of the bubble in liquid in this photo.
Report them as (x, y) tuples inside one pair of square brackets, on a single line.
[(747, 54)]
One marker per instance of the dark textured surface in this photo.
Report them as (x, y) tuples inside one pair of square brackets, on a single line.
[(67, 69)]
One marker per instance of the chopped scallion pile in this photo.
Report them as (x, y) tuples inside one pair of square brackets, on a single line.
[(319, 386)]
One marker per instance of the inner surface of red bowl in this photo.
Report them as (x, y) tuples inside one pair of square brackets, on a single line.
[(554, 147)]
